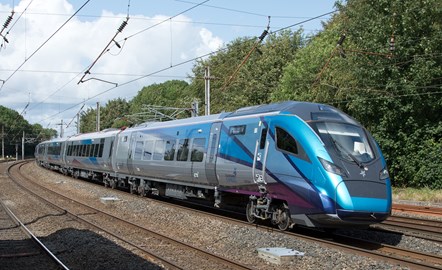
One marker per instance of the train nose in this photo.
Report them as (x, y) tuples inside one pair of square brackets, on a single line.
[(368, 197)]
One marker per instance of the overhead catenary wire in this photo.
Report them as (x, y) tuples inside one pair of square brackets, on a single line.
[(85, 71), (15, 22), (88, 71), (44, 43), (166, 20), (176, 65), (255, 46)]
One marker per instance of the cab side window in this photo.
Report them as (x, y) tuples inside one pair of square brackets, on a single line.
[(285, 142)]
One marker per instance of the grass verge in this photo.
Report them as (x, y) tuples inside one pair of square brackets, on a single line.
[(413, 194)]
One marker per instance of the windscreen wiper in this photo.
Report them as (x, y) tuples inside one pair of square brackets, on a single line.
[(342, 149)]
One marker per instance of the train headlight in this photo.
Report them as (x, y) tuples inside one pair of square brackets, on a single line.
[(383, 174), (331, 167)]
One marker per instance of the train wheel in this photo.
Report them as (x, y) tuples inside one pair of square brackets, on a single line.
[(132, 189), (283, 218), (113, 183), (142, 191), (76, 174), (250, 212)]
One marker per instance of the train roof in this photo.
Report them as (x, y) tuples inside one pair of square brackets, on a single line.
[(95, 135), (307, 111)]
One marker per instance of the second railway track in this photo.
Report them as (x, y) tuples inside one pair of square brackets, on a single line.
[(413, 226)]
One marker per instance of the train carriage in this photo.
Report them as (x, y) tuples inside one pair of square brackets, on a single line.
[(290, 162), (50, 154), (89, 155)]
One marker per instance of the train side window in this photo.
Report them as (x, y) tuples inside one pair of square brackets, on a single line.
[(138, 150), (148, 150), (100, 152), (197, 153), (158, 150), (262, 143), (97, 150), (183, 150), (110, 148), (169, 152), (92, 152), (285, 142)]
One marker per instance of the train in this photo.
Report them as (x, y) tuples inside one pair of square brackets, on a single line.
[(288, 163)]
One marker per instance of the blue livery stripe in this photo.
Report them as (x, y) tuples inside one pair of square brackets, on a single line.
[(370, 204)]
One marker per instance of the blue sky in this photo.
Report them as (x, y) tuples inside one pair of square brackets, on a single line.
[(46, 71), (246, 17)]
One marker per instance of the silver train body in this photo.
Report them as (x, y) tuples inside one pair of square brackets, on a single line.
[(290, 163)]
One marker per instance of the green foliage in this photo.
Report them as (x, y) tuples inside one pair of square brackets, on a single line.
[(112, 114), (118, 112), (397, 97), (256, 79), (14, 125), (172, 93)]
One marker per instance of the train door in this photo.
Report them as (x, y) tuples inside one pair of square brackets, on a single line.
[(260, 155), (134, 148), (212, 151), (122, 153)]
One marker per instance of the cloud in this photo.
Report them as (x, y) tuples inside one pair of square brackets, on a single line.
[(51, 74)]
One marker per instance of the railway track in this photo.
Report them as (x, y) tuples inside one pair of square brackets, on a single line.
[(416, 209), (411, 226), (174, 254), (18, 242), (375, 250)]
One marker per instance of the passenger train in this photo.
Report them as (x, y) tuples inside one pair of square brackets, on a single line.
[(291, 163)]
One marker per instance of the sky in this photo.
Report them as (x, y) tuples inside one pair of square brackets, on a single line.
[(52, 43)]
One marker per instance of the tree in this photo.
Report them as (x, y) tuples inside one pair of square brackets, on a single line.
[(112, 114), (88, 121), (256, 79), (14, 125), (173, 93), (395, 94)]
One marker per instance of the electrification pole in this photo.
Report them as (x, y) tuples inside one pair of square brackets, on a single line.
[(98, 116), (207, 90), (3, 142), (78, 123), (23, 146)]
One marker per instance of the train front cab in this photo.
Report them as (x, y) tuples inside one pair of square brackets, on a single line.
[(356, 189), (330, 185)]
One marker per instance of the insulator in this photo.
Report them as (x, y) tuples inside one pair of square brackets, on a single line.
[(123, 24), (391, 44), (341, 40), (8, 21), (263, 35)]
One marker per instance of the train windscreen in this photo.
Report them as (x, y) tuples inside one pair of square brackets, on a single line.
[(348, 141)]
